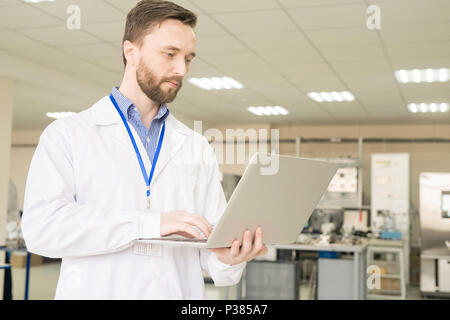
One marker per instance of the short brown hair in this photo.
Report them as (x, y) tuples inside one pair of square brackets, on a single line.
[(149, 13)]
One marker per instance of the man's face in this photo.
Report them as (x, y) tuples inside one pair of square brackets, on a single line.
[(164, 60)]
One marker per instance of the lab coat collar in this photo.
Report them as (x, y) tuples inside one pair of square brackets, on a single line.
[(103, 113)]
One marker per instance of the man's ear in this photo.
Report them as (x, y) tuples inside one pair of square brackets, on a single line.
[(129, 52)]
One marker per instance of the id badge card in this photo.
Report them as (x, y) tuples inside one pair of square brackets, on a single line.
[(147, 249)]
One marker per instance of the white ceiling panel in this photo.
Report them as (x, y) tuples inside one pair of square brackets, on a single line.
[(44, 54), (414, 12), (342, 109), (124, 5), (322, 87), (255, 22), (375, 91), (363, 67), (199, 69), (275, 40), (26, 16), (421, 63), (300, 103), (76, 67), (387, 108), (313, 3), (353, 53), (207, 27), (342, 16), (301, 79), (107, 79), (222, 43), (426, 97), (233, 59), (237, 72), (430, 117), (416, 33), (91, 11), (233, 95), (303, 55), (59, 36), (369, 78), (96, 51), (267, 83), (343, 37), (307, 114), (9, 2), (188, 4), (304, 69), (438, 90), (292, 100), (115, 64), (235, 5), (14, 40), (392, 114), (108, 31), (381, 100), (419, 50)]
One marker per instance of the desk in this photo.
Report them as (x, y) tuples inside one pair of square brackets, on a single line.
[(358, 261), (27, 272)]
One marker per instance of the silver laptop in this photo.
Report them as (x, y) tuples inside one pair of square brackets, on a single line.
[(280, 200)]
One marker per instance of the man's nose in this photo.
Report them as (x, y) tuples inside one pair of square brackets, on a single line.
[(180, 68)]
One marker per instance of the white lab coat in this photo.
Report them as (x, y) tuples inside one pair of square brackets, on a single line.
[(85, 202)]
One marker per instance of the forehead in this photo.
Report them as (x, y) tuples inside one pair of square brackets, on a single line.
[(171, 32)]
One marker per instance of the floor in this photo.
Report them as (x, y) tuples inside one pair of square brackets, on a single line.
[(44, 278)]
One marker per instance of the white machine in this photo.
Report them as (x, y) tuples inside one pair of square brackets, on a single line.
[(390, 198), (435, 234)]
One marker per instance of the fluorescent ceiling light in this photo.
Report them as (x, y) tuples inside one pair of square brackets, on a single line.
[(59, 115), (216, 83), (428, 107), (423, 75), (331, 96), (268, 111)]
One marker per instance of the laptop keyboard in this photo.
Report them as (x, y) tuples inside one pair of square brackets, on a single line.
[(175, 238)]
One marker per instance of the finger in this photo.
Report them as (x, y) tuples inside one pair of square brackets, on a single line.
[(234, 250), (191, 232), (263, 251), (201, 223), (246, 245), (258, 244), (206, 224)]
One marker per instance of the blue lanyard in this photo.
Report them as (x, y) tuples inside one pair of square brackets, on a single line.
[(148, 180)]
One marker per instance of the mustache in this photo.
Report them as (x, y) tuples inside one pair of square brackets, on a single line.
[(177, 80)]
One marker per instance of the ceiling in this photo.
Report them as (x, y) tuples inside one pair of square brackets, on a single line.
[(278, 49)]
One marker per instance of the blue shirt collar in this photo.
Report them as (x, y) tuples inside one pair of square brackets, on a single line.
[(126, 106)]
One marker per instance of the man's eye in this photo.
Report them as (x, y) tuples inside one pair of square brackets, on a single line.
[(170, 54), (188, 60)]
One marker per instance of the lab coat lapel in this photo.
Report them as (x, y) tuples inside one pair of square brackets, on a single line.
[(173, 140), (104, 114)]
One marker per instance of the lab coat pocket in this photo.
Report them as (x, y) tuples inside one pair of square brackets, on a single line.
[(187, 173)]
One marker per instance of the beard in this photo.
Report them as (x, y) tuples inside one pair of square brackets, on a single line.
[(149, 84)]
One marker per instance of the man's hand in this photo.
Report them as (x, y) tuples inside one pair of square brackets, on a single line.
[(184, 224), (249, 250)]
